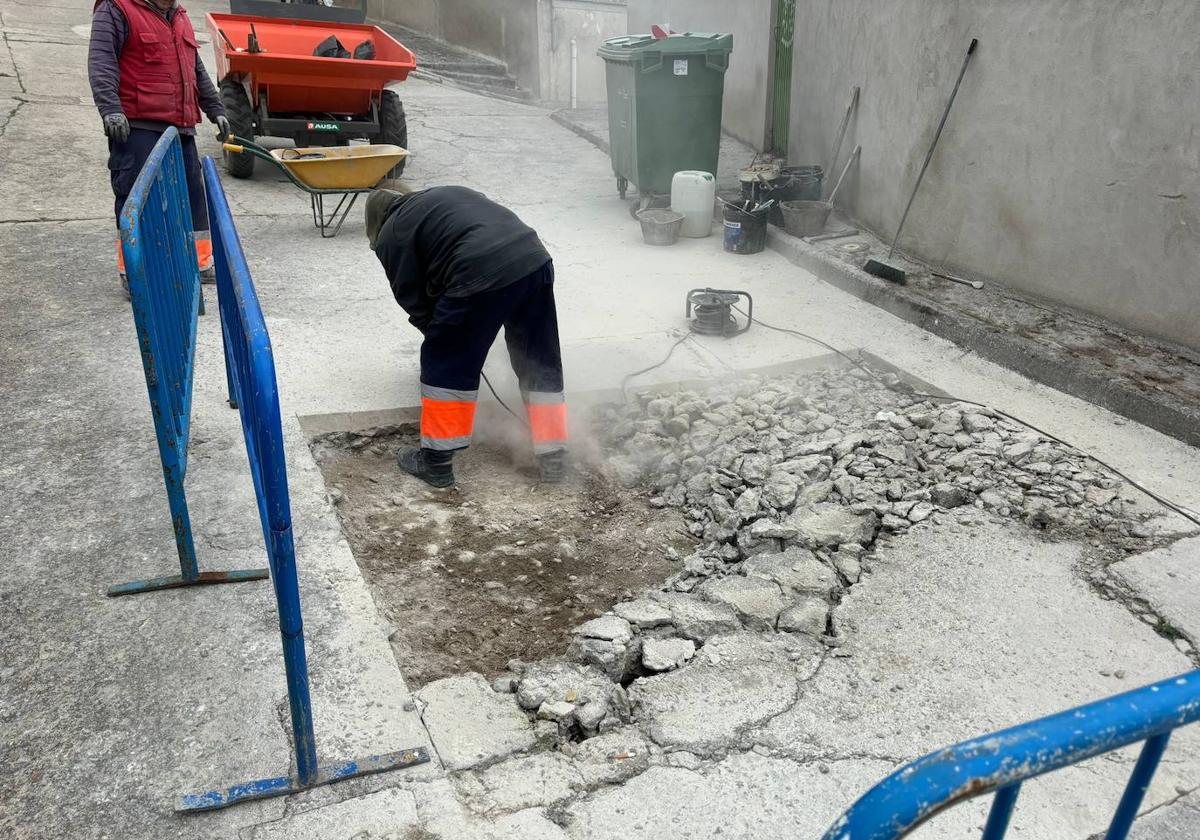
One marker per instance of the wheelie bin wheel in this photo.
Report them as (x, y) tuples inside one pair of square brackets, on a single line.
[(393, 127), (241, 123)]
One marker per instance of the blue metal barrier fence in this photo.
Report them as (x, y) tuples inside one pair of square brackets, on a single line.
[(164, 289), (250, 373), (1002, 761)]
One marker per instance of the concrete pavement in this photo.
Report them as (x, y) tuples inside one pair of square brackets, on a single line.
[(110, 709)]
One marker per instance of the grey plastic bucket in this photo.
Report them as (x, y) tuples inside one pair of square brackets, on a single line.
[(806, 218), (659, 226)]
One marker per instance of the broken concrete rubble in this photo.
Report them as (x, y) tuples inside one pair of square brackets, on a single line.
[(667, 654), (765, 455), (831, 525), (544, 685), (756, 601)]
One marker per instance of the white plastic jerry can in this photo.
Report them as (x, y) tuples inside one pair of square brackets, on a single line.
[(693, 194)]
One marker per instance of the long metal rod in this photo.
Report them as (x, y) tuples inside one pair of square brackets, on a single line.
[(850, 162), (137, 587), (937, 136), (837, 146), (1001, 813), (1135, 791)]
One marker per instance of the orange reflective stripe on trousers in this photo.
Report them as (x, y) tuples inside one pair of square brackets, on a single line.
[(447, 418), (204, 252), (547, 420)]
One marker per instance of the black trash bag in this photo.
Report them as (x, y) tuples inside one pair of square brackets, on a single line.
[(331, 47), (365, 51)]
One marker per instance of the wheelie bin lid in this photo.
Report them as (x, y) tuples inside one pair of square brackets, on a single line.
[(632, 48)]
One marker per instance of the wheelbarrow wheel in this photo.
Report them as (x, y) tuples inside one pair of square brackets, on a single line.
[(241, 123), (393, 127)]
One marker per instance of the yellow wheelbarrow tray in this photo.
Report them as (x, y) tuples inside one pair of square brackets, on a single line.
[(347, 171)]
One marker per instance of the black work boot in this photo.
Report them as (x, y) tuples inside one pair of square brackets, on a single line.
[(552, 467), (434, 468)]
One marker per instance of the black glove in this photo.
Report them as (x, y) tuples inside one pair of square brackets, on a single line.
[(222, 128), (116, 127)]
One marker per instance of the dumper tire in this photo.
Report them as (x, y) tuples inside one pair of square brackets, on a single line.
[(393, 127), (241, 122)]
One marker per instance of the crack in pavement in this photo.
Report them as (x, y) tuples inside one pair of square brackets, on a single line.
[(12, 56)]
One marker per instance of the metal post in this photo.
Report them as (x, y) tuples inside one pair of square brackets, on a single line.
[(574, 74), (1139, 782)]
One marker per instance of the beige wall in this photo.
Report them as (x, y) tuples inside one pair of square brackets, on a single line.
[(590, 23), (1070, 167), (532, 37), (748, 82)]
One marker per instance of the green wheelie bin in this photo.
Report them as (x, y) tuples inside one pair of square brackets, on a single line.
[(664, 106)]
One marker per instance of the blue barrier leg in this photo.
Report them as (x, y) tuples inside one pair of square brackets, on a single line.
[(1000, 815), (189, 571), (295, 662), (283, 785), (1139, 782)]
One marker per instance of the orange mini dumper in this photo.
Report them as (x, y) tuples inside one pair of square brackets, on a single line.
[(273, 85)]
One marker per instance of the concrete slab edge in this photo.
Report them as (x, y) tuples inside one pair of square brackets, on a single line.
[(1178, 420), (319, 425)]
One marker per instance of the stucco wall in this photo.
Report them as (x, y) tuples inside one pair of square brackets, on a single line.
[(1070, 167), (590, 23), (748, 82)]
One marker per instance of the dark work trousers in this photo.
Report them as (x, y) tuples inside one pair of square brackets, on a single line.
[(456, 346), (125, 162)]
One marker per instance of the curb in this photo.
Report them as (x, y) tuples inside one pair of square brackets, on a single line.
[(562, 117), (1060, 371)]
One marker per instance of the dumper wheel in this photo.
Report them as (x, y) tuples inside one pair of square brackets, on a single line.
[(241, 123), (393, 126)]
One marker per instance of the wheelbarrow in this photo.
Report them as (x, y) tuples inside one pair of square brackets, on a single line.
[(321, 171), (273, 85)]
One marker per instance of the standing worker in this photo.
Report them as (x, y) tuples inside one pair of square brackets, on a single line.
[(145, 70), (462, 267)]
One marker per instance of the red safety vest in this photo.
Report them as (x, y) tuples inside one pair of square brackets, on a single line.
[(158, 66)]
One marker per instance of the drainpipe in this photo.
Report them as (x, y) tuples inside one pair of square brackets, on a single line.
[(574, 74)]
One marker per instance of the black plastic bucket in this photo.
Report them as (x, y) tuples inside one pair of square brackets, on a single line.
[(795, 183), (745, 230)]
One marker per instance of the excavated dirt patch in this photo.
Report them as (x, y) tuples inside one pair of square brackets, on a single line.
[(502, 567)]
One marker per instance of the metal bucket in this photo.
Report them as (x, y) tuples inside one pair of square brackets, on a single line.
[(795, 183), (806, 218), (660, 227)]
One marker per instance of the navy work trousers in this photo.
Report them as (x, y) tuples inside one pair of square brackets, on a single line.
[(125, 162), (456, 346)]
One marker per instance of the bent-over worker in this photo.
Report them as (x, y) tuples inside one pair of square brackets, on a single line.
[(462, 267), (146, 74)]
